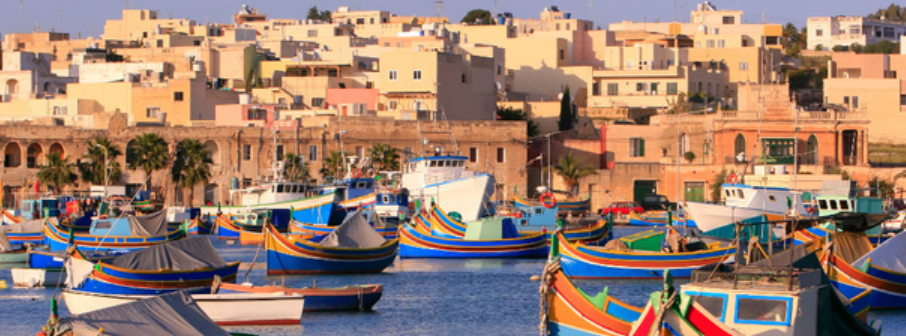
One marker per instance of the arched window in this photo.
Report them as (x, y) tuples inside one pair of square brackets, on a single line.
[(739, 149), (684, 144), (811, 154), (12, 87)]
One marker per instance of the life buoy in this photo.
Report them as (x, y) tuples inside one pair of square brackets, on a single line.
[(732, 179), (548, 200), (356, 173)]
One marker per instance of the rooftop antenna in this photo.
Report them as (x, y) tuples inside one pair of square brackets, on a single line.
[(495, 8), (58, 19), (439, 8)]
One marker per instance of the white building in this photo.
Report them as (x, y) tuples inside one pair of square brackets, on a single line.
[(845, 30)]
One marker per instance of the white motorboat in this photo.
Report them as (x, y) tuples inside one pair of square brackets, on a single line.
[(224, 309), (446, 181), (37, 277), (744, 202)]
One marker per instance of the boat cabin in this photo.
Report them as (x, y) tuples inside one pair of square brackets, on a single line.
[(181, 214), (758, 301), (43, 207), (392, 207), (771, 199), (253, 218), (271, 192), (112, 227), (425, 171), (830, 205)]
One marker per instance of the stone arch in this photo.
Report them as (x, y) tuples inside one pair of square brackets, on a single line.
[(214, 151), (12, 155), (129, 155), (811, 151), (57, 148), (12, 86), (211, 194), (34, 156), (739, 147)]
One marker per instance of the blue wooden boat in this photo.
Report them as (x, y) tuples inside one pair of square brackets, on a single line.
[(200, 225), (563, 208), (649, 218), (354, 247), (299, 228), (24, 231), (184, 264), (541, 219), (318, 299), (582, 261), (490, 238), (133, 232)]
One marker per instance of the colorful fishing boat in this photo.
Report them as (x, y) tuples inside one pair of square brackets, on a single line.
[(854, 266), (170, 314), (125, 234), (563, 208), (10, 254), (222, 308), (747, 201), (539, 218), (184, 264), (299, 228), (24, 231), (634, 257), (444, 180), (200, 225), (305, 203), (648, 218), (567, 310), (317, 299), (493, 237), (354, 247)]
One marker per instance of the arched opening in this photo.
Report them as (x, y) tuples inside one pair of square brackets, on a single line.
[(12, 87), (12, 155), (739, 148), (811, 147), (130, 156), (57, 148), (47, 88), (683, 144), (213, 150), (35, 156), (211, 194)]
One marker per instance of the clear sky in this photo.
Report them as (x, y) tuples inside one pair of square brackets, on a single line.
[(87, 16)]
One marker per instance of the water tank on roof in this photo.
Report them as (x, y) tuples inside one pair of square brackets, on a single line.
[(567, 15), (198, 66), (245, 98)]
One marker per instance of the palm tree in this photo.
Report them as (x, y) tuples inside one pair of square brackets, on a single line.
[(295, 168), (384, 157), (93, 169), (333, 164), (191, 166), (58, 172), (149, 153), (571, 169)]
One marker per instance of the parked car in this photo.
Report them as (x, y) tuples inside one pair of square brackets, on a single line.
[(621, 208), (657, 202)]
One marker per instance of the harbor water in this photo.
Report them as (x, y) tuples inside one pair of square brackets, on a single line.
[(421, 297)]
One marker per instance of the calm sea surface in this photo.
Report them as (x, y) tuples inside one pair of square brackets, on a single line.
[(421, 297)]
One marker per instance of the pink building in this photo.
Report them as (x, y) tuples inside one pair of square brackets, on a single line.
[(352, 101), (259, 115)]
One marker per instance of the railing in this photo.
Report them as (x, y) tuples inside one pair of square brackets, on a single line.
[(802, 115), (748, 278)]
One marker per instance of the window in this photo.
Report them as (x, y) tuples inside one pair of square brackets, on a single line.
[(279, 188), (246, 183), (160, 43), (463, 78), (710, 43), (60, 110), (596, 89), (196, 42), (652, 88), (417, 75), (822, 204), (152, 112), (639, 87), (763, 310), (394, 75), (819, 32), (636, 147), (279, 152), (613, 89), (392, 105), (178, 96), (902, 99), (715, 304), (845, 100), (855, 102), (772, 40), (672, 89), (312, 33), (501, 155), (557, 26), (567, 26), (833, 204), (312, 152), (772, 198), (360, 21), (371, 20), (317, 102), (499, 70), (844, 205), (855, 30), (246, 152), (562, 54), (720, 43), (473, 154), (255, 113), (729, 20), (744, 66)]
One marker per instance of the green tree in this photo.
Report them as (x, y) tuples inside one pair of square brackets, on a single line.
[(566, 111), (880, 187), (93, 168), (478, 16), (294, 168), (839, 48), (882, 47), (58, 172), (191, 166), (314, 14), (717, 184), (793, 39), (333, 164), (149, 153), (571, 169), (384, 157), (893, 12), (856, 48), (510, 113)]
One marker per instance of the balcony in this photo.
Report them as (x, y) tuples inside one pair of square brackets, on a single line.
[(802, 115)]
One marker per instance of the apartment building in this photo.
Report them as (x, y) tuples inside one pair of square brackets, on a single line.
[(138, 25), (829, 31), (870, 84)]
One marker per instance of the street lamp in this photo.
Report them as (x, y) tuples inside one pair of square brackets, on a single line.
[(106, 169), (679, 144)]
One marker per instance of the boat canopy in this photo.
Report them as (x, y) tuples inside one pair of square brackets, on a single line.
[(5, 245), (354, 232), (180, 255), (26, 225), (890, 255), (169, 314), (150, 225)]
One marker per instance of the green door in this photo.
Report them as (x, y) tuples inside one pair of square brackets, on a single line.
[(642, 189), (695, 191)]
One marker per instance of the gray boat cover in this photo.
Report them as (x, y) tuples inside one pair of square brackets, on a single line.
[(354, 232), (169, 314), (785, 258), (151, 225), (890, 255), (180, 255), (26, 225), (5, 245)]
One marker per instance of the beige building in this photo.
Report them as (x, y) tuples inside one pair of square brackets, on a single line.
[(827, 32), (872, 84), (138, 26)]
